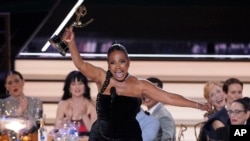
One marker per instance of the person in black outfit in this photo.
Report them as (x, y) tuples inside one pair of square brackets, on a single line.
[(120, 93), (239, 114)]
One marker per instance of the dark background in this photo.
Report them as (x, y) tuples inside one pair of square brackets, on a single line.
[(174, 20), (197, 20)]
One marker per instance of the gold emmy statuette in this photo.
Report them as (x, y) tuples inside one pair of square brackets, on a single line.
[(57, 43)]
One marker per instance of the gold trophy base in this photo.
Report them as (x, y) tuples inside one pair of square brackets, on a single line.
[(58, 44)]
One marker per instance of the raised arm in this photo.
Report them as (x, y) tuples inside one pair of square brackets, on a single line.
[(86, 68)]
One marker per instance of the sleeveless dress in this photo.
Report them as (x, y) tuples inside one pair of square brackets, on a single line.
[(116, 119)]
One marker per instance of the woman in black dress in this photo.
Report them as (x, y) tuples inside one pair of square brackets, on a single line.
[(119, 94)]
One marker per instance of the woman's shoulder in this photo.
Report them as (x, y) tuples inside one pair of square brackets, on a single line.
[(138, 80), (33, 99), (63, 102), (7, 98)]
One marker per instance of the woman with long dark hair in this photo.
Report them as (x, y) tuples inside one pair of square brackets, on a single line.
[(76, 105)]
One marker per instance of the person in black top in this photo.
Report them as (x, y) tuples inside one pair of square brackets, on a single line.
[(233, 88), (119, 94), (239, 114)]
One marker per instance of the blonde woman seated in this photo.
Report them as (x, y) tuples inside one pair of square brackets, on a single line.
[(214, 95), (76, 105)]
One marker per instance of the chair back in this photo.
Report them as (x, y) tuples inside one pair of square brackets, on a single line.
[(197, 129), (183, 128)]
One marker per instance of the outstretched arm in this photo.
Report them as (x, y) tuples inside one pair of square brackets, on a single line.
[(86, 68), (165, 97)]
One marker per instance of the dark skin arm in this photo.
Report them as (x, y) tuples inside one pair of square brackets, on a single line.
[(132, 86)]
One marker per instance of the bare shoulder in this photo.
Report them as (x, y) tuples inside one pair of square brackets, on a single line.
[(217, 124), (141, 83), (89, 102), (63, 103), (137, 79)]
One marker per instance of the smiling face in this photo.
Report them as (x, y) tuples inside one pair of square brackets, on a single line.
[(75, 84), (237, 114), (118, 63), (14, 85), (77, 88), (214, 94), (217, 97)]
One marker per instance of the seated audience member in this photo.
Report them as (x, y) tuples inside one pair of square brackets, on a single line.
[(76, 105), (239, 111), (214, 95), (149, 125), (17, 104), (167, 130), (233, 88), (239, 114)]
